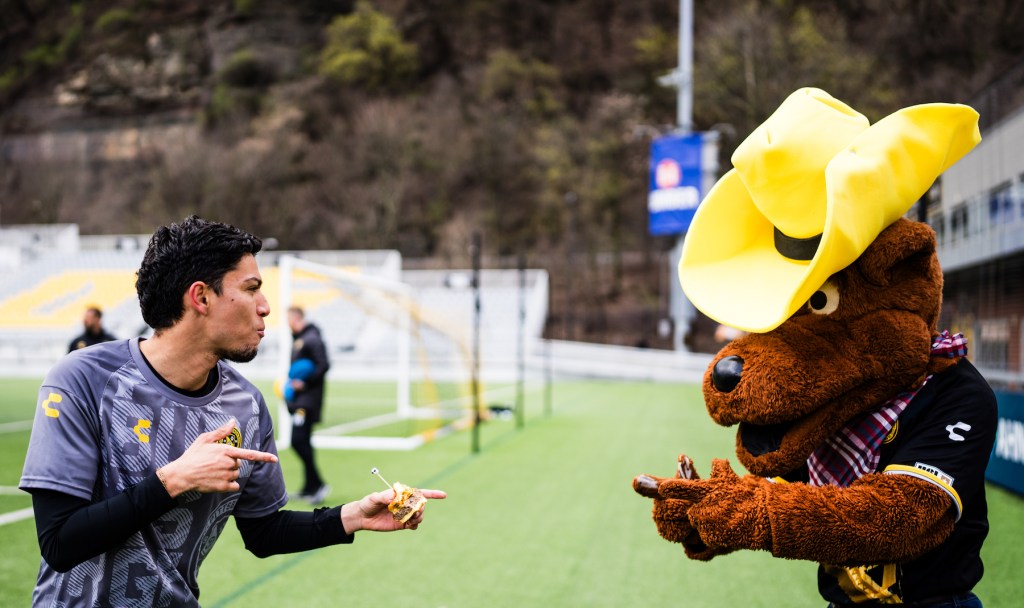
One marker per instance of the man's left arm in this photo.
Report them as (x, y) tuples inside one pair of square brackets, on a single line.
[(293, 531)]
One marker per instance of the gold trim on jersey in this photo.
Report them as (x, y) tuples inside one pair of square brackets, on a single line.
[(859, 586), (947, 486)]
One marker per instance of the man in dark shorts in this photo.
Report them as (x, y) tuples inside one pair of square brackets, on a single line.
[(141, 449), (306, 399)]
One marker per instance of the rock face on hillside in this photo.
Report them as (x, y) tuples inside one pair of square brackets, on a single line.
[(169, 74), (88, 147), (173, 67)]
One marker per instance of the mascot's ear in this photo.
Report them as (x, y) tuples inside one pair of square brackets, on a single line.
[(903, 251)]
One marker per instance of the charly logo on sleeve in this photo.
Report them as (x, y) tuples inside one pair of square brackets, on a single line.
[(959, 426), (52, 412)]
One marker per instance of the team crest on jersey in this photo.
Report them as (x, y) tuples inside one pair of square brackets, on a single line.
[(233, 439), (298, 345), (892, 432)]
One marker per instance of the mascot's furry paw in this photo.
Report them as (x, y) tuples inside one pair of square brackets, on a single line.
[(727, 510), (670, 514)]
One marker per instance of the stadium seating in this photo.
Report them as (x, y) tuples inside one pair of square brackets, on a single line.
[(42, 302), (43, 298)]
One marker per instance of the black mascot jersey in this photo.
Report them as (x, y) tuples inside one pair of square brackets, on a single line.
[(945, 436)]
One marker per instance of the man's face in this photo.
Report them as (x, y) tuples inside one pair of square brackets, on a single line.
[(236, 315), (295, 322), (91, 321)]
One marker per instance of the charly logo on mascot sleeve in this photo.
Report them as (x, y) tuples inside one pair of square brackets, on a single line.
[(811, 188)]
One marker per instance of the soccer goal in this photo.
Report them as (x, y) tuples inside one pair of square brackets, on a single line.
[(402, 363)]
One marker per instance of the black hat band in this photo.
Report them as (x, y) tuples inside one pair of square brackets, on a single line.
[(796, 249)]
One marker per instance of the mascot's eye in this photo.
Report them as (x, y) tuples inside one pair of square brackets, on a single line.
[(825, 301)]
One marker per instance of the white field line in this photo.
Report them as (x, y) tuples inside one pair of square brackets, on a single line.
[(344, 400), (14, 427), (13, 516), (359, 425), (350, 442), (429, 411)]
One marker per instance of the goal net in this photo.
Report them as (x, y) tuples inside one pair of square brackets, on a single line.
[(400, 366)]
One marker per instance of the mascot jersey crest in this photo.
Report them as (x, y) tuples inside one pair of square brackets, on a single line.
[(844, 388)]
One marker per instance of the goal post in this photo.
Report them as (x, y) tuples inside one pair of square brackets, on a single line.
[(373, 324)]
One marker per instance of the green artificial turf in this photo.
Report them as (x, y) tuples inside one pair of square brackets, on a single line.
[(541, 516)]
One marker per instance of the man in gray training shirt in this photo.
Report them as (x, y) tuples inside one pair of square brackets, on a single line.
[(142, 449)]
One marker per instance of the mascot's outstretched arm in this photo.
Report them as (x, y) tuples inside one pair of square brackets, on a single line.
[(670, 514), (879, 518)]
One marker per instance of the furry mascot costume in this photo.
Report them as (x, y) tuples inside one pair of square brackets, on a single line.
[(866, 431)]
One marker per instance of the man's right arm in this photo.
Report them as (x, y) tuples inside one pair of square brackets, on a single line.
[(72, 530)]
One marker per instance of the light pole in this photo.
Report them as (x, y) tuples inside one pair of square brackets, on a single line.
[(680, 308), (475, 252), (570, 310), (682, 77)]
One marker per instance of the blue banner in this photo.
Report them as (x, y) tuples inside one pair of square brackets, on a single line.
[(1006, 467), (675, 183)]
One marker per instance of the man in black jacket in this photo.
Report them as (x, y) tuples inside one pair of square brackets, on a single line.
[(93, 331), (306, 399)]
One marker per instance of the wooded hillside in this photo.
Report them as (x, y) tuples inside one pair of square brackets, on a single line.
[(409, 124)]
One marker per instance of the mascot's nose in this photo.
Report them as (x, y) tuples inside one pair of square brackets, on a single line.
[(726, 373)]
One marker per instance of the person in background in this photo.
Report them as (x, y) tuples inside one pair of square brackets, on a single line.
[(142, 449), (305, 400), (94, 333), (725, 333)]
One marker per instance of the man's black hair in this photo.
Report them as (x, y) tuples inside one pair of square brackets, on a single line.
[(181, 254)]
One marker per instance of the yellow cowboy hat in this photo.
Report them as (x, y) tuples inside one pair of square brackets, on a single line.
[(811, 188)]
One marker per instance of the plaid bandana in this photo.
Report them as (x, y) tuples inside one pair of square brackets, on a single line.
[(854, 450)]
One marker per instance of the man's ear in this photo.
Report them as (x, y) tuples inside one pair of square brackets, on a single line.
[(197, 297), (902, 250)]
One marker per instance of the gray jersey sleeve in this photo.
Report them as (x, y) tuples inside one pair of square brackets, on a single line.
[(64, 451)]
